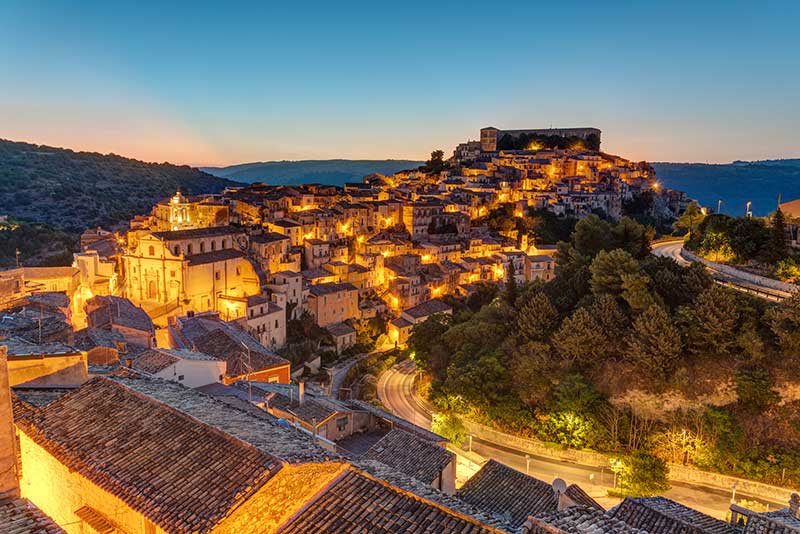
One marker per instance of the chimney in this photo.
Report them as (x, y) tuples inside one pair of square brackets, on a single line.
[(794, 505), (9, 483), (301, 395)]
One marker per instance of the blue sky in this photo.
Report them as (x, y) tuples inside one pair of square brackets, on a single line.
[(218, 83)]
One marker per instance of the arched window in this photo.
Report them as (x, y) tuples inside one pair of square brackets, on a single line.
[(202, 246), (177, 250), (189, 248), (151, 250), (213, 245)]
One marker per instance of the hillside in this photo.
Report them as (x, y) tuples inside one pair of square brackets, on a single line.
[(52, 194), (333, 171), (736, 183), (77, 190)]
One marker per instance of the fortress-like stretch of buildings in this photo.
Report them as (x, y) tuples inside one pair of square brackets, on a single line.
[(389, 247)]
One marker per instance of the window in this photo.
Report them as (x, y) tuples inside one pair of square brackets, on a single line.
[(276, 323), (221, 377), (180, 377), (189, 248), (238, 271), (151, 250), (341, 424), (213, 245), (172, 274), (202, 246), (177, 250), (216, 275)]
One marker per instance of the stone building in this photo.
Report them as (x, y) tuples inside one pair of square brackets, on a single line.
[(188, 269), (185, 213)]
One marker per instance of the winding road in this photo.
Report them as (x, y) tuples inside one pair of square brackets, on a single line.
[(672, 249), (397, 393)]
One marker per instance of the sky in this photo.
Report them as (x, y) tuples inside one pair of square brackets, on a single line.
[(216, 83)]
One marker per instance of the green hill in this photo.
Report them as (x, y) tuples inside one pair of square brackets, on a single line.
[(77, 190), (331, 172), (52, 194)]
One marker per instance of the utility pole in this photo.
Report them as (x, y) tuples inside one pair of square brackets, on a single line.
[(719, 206)]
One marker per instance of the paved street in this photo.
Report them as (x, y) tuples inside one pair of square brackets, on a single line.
[(396, 392), (672, 249)]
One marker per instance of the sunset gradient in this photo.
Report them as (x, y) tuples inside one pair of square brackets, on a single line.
[(210, 83)]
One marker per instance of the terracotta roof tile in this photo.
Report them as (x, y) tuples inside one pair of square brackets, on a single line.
[(183, 475), (410, 454), (20, 516), (504, 491), (359, 503), (577, 520), (664, 516)]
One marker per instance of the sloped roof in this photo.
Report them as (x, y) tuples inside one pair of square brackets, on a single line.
[(20, 516), (243, 421), (662, 515), (410, 454), (356, 502), (428, 308), (499, 489), (577, 520), (183, 475), (213, 231)]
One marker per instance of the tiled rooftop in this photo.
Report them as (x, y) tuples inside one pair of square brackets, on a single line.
[(427, 308), (504, 491), (327, 289), (215, 256), (194, 473), (358, 502), (20, 516), (213, 231), (659, 515), (577, 520), (256, 427), (410, 454)]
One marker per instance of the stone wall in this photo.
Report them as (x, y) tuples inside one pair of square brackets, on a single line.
[(8, 457), (59, 492)]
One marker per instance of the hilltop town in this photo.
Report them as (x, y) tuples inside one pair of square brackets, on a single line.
[(194, 373)]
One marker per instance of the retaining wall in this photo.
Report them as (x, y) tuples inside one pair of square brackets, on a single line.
[(743, 275)]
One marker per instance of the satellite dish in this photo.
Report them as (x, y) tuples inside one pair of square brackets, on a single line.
[(559, 486)]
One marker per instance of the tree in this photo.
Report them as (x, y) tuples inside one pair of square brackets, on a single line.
[(784, 321), (690, 219), (748, 237), (436, 163), (654, 342), (580, 339), (777, 247), (636, 291), (512, 291), (712, 323), (607, 270), (538, 318), (631, 236), (451, 427), (754, 388), (641, 474), (592, 234), (425, 341)]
